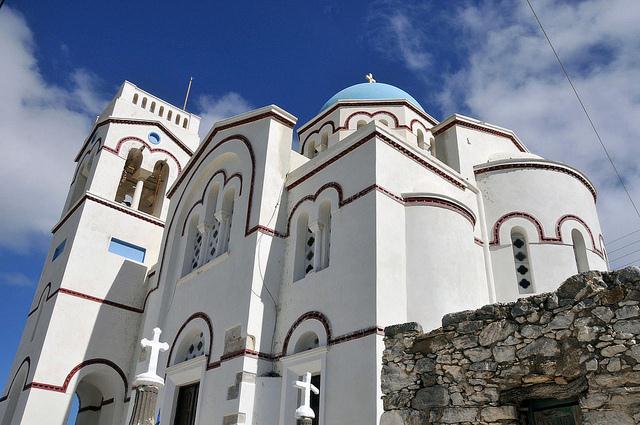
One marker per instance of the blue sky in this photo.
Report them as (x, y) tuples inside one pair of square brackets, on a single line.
[(62, 61)]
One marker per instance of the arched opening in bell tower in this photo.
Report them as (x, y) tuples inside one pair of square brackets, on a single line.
[(154, 188)]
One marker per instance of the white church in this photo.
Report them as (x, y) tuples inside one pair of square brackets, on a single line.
[(262, 264)]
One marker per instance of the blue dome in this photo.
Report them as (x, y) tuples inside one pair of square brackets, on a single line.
[(371, 91)]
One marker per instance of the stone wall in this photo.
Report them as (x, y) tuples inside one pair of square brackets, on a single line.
[(486, 366)]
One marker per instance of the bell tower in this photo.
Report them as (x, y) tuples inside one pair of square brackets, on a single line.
[(82, 329)]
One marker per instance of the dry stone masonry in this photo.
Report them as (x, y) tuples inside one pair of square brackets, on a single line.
[(571, 355)]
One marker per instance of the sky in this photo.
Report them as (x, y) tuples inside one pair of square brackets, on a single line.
[(60, 62)]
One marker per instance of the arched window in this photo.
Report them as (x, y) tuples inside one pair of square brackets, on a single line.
[(522, 261), (324, 221), (361, 124), (193, 346), (579, 251), (185, 122), (161, 111), (178, 119), (226, 218), (304, 248), (385, 122), (307, 341), (193, 247), (153, 106), (144, 102), (169, 115), (154, 189), (135, 98), (212, 224), (420, 138), (130, 179)]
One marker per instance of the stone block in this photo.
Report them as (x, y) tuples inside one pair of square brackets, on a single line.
[(426, 398), (404, 328)]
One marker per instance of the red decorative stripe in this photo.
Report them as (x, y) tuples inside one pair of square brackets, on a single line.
[(126, 210), (311, 315), (100, 300), (63, 388), (26, 386), (478, 241), (441, 203), (389, 142), (484, 129), (538, 166), (49, 296), (151, 149)]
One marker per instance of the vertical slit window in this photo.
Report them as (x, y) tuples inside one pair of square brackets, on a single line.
[(522, 262)]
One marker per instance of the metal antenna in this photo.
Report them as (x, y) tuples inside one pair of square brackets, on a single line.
[(186, 98)]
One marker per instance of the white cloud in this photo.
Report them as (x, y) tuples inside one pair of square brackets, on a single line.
[(509, 76), (41, 127), (392, 31), (216, 109), (15, 279)]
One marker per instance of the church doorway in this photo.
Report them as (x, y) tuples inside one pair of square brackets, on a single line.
[(187, 405), (551, 412)]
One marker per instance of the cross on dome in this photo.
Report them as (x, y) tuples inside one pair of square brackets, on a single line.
[(370, 78), (305, 410)]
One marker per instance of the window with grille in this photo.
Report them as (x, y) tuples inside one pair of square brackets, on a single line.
[(522, 262)]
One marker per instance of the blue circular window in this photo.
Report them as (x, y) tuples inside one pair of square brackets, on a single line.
[(154, 138)]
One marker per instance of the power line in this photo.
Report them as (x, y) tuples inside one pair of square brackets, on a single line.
[(584, 109), (622, 237), (624, 255), (623, 246)]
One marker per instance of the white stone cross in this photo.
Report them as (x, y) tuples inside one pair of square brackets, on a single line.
[(151, 376), (305, 410), (370, 78)]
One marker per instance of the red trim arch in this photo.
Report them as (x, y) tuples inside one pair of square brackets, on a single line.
[(345, 126), (311, 315), (416, 121), (26, 360), (317, 131), (195, 316), (97, 361), (206, 188), (116, 151), (557, 238)]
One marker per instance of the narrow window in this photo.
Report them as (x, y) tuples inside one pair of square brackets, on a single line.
[(196, 247), (161, 111), (212, 224), (135, 99), (169, 115), (304, 248), (579, 251), (226, 219), (129, 179), (521, 261), (193, 247), (185, 122), (385, 122), (361, 124), (324, 142), (144, 102), (420, 138), (153, 106), (59, 250), (153, 190), (311, 149), (178, 119), (325, 234)]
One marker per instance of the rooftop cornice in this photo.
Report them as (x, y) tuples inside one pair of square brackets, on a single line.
[(468, 122)]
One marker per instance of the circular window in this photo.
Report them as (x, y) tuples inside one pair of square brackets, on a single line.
[(154, 138)]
